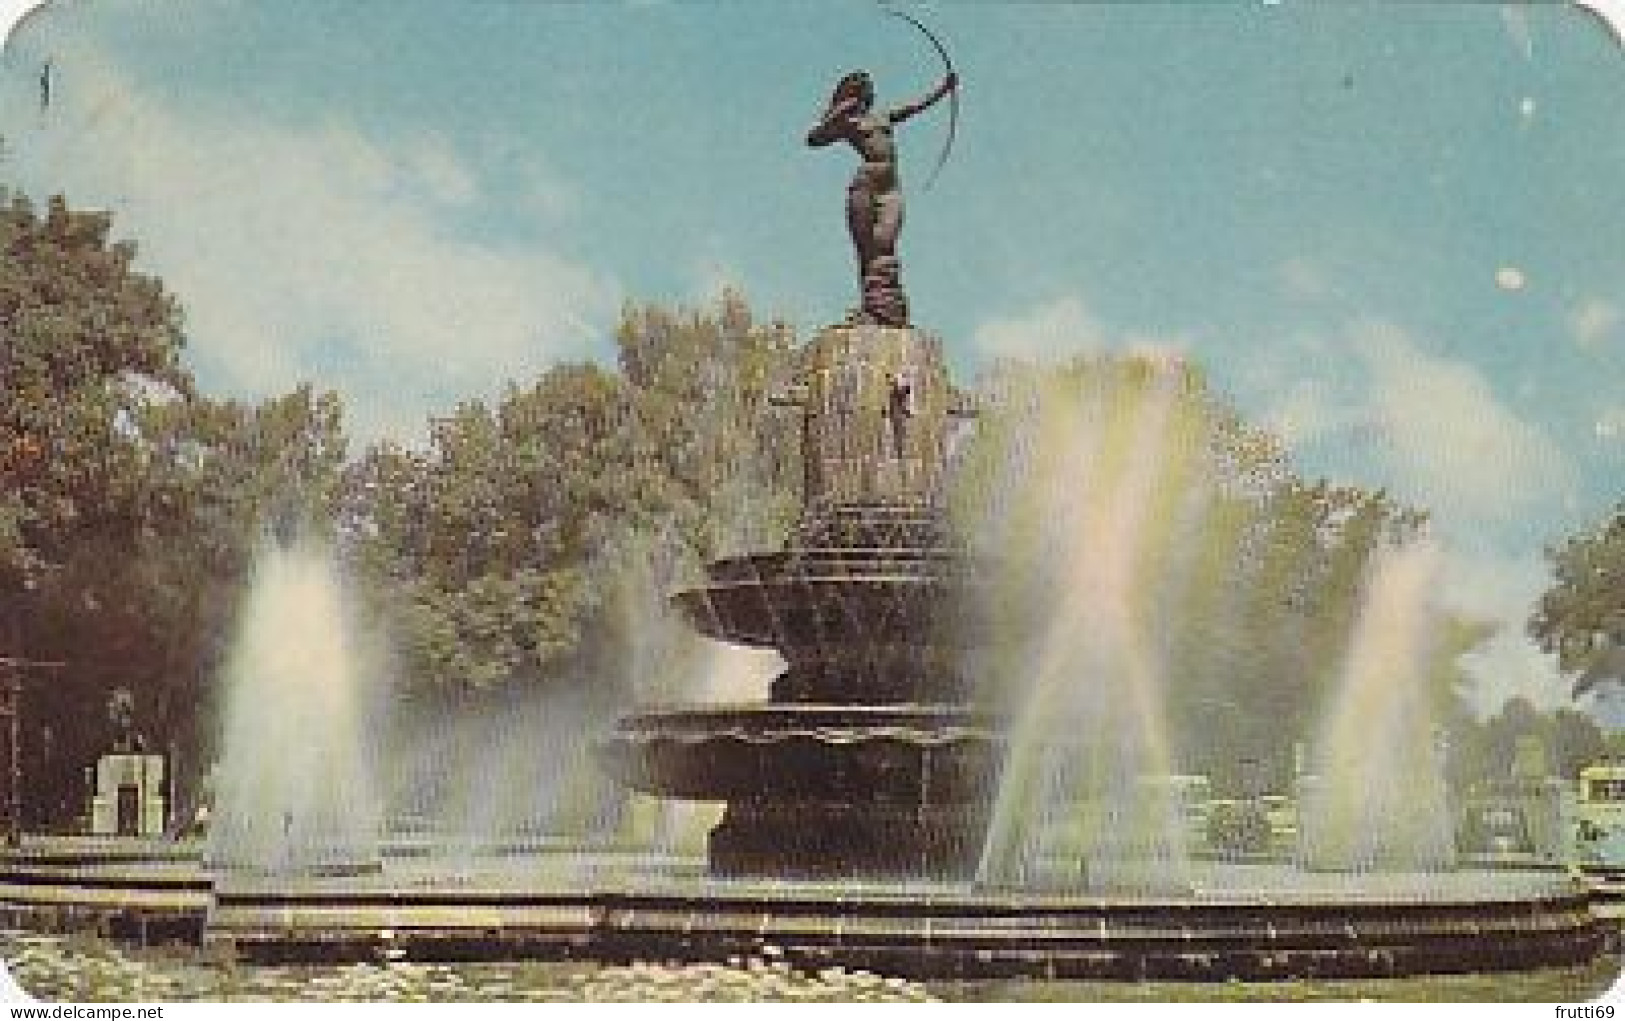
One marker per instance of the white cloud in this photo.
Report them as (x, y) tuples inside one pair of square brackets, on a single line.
[(1430, 428), (1593, 322), (1307, 412), (1503, 589), (1450, 443), (546, 195), (314, 251), (1061, 328), (1435, 433), (1056, 328), (446, 178)]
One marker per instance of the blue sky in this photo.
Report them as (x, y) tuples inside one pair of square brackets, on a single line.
[(1388, 230)]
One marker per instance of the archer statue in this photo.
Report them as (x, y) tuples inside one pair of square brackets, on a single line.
[(874, 199)]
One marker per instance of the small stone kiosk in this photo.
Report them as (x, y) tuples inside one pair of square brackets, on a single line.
[(128, 783), (129, 799)]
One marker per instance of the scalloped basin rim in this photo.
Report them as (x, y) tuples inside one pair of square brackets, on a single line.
[(803, 715), (763, 725)]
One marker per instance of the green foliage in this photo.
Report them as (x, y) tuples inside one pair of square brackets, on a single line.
[(84, 341), (497, 628), (1581, 617), (498, 551), (1488, 751), (155, 611)]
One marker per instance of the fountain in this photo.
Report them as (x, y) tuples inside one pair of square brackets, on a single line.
[(870, 759), (1034, 823)]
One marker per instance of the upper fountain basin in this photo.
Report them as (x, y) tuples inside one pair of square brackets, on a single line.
[(824, 599)]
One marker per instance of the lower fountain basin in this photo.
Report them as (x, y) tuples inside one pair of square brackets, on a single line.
[(1236, 921), (822, 791)]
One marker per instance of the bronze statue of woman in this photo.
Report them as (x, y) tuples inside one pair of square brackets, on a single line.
[(874, 199)]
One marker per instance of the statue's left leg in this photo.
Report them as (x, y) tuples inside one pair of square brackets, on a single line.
[(861, 219), (888, 222)]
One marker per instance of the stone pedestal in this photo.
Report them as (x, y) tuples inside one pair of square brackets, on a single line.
[(884, 300), (876, 406), (129, 798), (846, 840)]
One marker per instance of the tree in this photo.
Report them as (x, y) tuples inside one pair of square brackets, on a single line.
[(129, 503), (523, 557), (1581, 617), (1488, 751), (85, 341), (702, 387), (499, 551)]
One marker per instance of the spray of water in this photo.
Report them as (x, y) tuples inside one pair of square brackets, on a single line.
[(295, 791), (504, 777), (670, 836), (1094, 483), (1378, 799), (667, 663), (503, 781)]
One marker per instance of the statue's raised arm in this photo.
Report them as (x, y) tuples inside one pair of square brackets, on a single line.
[(903, 111)]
